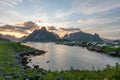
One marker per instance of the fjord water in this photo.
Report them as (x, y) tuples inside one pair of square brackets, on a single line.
[(62, 57)]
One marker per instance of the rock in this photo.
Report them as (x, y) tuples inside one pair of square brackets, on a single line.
[(30, 60), (24, 57), (7, 77), (47, 61), (36, 66), (114, 54)]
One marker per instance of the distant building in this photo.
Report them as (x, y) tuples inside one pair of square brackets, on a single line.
[(101, 45)]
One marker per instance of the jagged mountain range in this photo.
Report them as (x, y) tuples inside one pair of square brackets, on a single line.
[(27, 27), (42, 35)]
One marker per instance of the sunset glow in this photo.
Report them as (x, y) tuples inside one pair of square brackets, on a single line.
[(88, 15), (18, 35)]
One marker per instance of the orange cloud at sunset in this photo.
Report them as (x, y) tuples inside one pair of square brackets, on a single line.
[(16, 34), (82, 21)]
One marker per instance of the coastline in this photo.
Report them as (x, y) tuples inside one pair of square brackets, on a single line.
[(92, 48), (11, 70)]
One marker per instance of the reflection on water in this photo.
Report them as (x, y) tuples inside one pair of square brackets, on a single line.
[(62, 57)]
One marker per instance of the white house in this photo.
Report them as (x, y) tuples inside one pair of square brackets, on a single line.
[(101, 45)]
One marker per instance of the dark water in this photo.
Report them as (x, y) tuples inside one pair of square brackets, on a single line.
[(62, 57)]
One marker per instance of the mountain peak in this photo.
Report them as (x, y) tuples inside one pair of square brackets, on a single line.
[(41, 35), (43, 29)]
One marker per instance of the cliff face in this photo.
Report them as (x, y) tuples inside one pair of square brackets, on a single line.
[(81, 36), (41, 35)]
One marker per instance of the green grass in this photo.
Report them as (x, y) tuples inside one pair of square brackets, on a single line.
[(109, 73), (109, 49), (8, 62)]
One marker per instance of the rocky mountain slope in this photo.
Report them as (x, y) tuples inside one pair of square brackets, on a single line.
[(82, 36), (41, 35)]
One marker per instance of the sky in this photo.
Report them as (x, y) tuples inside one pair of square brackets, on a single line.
[(92, 16)]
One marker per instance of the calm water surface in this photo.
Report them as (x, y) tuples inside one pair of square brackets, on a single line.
[(62, 57)]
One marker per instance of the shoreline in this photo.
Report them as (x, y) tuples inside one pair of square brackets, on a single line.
[(92, 48), (12, 70), (24, 57)]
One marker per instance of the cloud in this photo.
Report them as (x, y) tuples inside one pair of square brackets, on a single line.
[(11, 16), (106, 24), (95, 6), (25, 28), (82, 21), (1, 22), (30, 25), (63, 14), (90, 15), (107, 19), (52, 28), (9, 3), (39, 21), (10, 28), (111, 35), (89, 7), (70, 29), (62, 24), (41, 17)]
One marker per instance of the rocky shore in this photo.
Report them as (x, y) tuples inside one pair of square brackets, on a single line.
[(23, 57), (100, 50)]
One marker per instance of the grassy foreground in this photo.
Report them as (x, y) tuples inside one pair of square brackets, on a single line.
[(11, 69)]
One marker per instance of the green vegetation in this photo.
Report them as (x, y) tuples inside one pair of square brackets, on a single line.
[(10, 68), (4, 40), (109, 49), (9, 65), (109, 73)]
